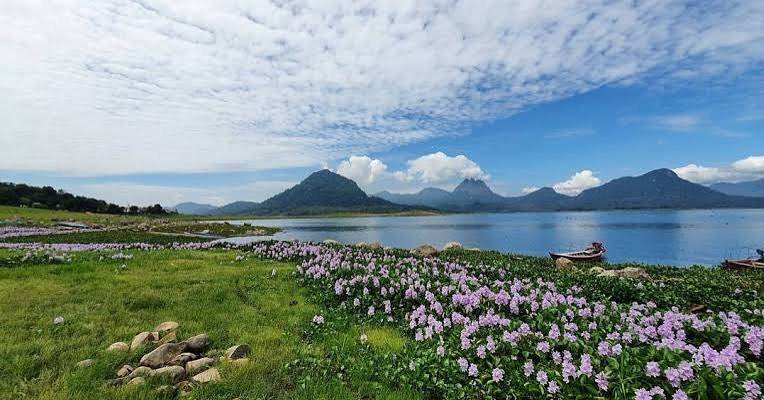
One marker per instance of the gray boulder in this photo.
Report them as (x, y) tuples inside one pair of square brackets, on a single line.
[(193, 367), (424, 250), (197, 344), (563, 263), (209, 375), (238, 351), (173, 373), (162, 355)]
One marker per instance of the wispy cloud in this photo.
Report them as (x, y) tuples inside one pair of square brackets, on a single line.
[(570, 133), (121, 86)]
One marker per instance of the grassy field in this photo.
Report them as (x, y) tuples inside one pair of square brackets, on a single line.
[(206, 292)]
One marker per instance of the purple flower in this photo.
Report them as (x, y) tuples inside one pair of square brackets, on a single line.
[(473, 370), (652, 369), (643, 394), (542, 377), (752, 390), (440, 350), (528, 368), (679, 395), (497, 374), (553, 387), (463, 364), (601, 380)]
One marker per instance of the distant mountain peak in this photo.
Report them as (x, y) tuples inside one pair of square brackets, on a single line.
[(473, 186)]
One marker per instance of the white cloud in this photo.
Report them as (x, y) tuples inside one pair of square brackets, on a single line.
[(749, 168), (436, 169), (128, 193), (119, 86), (577, 183), (528, 190)]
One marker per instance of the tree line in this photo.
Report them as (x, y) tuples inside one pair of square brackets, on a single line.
[(21, 195)]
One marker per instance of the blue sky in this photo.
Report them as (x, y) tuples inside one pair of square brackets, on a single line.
[(153, 101)]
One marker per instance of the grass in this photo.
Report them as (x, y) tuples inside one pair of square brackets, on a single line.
[(217, 229), (38, 216), (112, 236), (206, 292)]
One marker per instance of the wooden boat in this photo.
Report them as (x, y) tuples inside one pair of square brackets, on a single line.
[(593, 253), (748, 263)]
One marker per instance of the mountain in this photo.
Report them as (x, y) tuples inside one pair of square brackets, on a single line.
[(544, 199), (237, 207), (661, 188), (324, 191), (469, 195), (191, 208), (750, 188), (476, 191)]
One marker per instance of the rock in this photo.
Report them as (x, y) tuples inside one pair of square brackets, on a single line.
[(58, 320), (374, 246), (173, 373), (57, 259), (183, 358), (141, 339), (171, 337), (136, 381), (162, 354), (201, 364), (238, 351), (166, 326), (124, 371), (141, 371), (330, 241), (697, 308), (596, 270), (452, 245), (166, 391), (119, 347), (210, 375), (633, 273), (563, 263), (424, 250), (198, 344), (85, 363), (609, 273)]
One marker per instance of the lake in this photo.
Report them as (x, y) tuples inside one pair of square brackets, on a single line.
[(669, 237)]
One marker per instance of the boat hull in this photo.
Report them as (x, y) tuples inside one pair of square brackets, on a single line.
[(743, 264), (579, 256)]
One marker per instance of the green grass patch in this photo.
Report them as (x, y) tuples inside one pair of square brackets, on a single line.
[(206, 292), (110, 236)]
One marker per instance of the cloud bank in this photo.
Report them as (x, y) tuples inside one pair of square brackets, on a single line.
[(746, 169), (436, 169), (146, 86)]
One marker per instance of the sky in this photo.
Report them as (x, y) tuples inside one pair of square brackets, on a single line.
[(147, 101)]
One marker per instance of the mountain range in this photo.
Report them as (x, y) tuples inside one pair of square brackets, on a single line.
[(325, 192), (751, 188)]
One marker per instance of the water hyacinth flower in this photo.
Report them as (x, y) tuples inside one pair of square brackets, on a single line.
[(318, 319), (497, 375), (652, 369), (752, 390)]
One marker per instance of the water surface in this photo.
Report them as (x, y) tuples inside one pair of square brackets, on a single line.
[(670, 237)]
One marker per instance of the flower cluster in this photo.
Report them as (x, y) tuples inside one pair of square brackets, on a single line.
[(497, 330)]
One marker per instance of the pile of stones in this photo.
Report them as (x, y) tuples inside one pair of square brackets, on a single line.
[(179, 364)]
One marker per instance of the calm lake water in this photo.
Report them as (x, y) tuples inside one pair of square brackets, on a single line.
[(653, 237)]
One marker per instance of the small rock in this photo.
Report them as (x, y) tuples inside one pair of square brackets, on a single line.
[(697, 308), (563, 263), (124, 371), (141, 371), (198, 343), (596, 270), (141, 339), (166, 390), (85, 363), (238, 351), (634, 273), (174, 373), (119, 347), (452, 245), (374, 246), (58, 320), (162, 354), (330, 241), (425, 250), (201, 364), (171, 337), (57, 259), (183, 358), (137, 381), (209, 375), (166, 326)]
